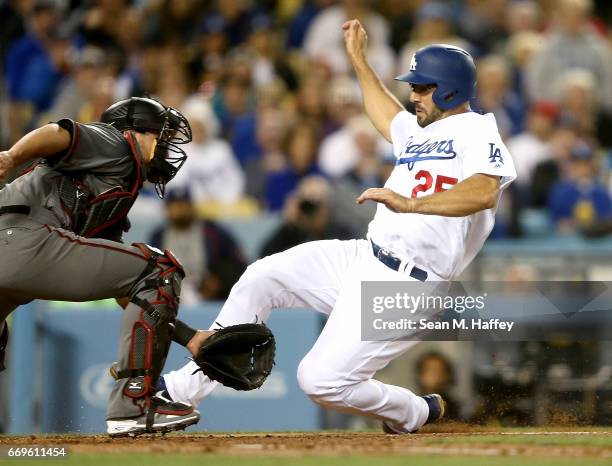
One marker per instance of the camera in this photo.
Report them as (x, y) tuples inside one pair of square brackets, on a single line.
[(308, 207)]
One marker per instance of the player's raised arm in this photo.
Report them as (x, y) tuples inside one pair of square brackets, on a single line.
[(476, 193), (42, 142), (380, 105)]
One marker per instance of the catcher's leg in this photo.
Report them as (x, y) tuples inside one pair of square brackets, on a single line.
[(72, 268), (307, 276), (146, 334)]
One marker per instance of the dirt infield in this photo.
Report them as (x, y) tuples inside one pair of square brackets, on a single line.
[(593, 443)]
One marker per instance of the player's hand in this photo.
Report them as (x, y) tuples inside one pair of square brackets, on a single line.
[(393, 201), (355, 39), (6, 165)]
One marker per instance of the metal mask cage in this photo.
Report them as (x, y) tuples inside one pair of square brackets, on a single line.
[(169, 158), (176, 129)]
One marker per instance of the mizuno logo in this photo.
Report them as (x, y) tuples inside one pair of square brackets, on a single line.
[(428, 150)]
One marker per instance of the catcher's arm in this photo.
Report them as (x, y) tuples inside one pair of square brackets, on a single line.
[(380, 105), (184, 335), (42, 142), (238, 356)]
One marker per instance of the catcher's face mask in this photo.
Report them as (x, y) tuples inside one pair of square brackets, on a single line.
[(168, 158)]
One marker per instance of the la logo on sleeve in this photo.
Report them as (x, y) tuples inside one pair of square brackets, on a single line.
[(495, 156)]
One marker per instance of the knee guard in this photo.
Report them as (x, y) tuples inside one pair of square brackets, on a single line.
[(156, 292)]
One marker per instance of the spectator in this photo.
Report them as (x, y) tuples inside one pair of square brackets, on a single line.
[(401, 16), (495, 95), (307, 217), (233, 105), (301, 150), (89, 73), (206, 60), (339, 152), (482, 23), (532, 146), (172, 20), (271, 97), (520, 50), (342, 101), (435, 374), (211, 172), (172, 86), (236, 16), (572, 43), (548, 172), (580, 200), (369, 172), (12, 26), (262, 48), (271, 131), (578, 96), (310, 100), (110, 24), (31, 74), (212, 260), (300, 23), (522, 16), (324, 39)]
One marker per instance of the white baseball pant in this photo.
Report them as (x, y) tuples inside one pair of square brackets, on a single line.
[(337, 372)]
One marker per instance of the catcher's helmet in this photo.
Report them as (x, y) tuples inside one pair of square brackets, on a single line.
[(450, 68), (148, 115)]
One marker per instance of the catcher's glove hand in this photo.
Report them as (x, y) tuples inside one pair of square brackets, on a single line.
[(239, 356)]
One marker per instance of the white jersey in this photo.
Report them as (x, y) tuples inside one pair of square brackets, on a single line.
[(433, 159)]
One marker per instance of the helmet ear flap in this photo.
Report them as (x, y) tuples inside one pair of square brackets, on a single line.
[(449, 96)]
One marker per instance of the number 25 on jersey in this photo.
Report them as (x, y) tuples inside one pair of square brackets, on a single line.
[(426, 181)]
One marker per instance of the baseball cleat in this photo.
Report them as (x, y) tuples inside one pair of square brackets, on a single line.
[(437, 407), (169, 416)]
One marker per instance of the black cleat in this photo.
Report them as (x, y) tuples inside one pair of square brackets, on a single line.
[(437, 407)]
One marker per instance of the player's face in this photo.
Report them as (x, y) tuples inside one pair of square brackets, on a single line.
[(426, 110), (148, 144)]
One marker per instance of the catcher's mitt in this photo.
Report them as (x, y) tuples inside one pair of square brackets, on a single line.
[(239, 356)]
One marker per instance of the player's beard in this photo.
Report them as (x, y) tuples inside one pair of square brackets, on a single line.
[(428, 118)]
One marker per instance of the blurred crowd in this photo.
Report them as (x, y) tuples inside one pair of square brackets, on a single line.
[(276, 111)]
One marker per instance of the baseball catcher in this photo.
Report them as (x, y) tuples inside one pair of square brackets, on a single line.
[(61, 225)]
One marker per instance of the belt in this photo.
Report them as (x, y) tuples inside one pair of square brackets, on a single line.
[(385, 256), (15, 209)]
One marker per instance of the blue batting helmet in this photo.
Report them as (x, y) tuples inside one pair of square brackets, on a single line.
[(450, 68)]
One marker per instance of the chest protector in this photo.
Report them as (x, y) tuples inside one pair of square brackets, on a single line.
[(103, 215)]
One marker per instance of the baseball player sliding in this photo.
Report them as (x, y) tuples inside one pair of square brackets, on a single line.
[(433, 216)]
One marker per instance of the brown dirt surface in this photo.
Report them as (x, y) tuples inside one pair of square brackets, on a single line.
[(449, 440)]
